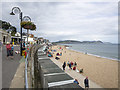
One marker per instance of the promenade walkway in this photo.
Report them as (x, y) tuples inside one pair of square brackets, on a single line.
[(9, 67), (76, 75)]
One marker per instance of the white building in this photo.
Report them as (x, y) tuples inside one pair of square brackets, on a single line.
[(4, 36), (17, 38)]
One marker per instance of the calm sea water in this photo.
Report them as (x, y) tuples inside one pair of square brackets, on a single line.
[(101, 50)]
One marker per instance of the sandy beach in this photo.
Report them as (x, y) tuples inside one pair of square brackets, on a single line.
[(102, 71)]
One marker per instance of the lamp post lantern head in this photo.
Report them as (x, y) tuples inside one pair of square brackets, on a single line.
[(12, 13), (26, 18), (16, 10)]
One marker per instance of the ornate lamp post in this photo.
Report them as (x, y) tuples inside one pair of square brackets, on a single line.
[(16, 10), (28, 25), (27, 18)]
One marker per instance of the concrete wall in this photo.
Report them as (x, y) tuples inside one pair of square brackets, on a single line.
[(32, 63)]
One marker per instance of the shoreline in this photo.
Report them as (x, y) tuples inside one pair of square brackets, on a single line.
[(118, 60), (98, 69)]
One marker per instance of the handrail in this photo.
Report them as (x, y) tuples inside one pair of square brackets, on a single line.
[(26, 79)]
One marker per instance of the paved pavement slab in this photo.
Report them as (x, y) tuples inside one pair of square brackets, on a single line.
[(56, 78), (52, 70), (74, 86), (9, 67)]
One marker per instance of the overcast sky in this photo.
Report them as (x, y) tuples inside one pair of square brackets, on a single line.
[(68, 20)]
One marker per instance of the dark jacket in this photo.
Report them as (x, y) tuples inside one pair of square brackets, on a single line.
[(86, 82)]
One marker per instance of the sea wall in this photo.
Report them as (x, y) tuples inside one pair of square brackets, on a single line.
[(46, 74)]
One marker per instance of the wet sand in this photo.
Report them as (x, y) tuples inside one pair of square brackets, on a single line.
[(102, 71)]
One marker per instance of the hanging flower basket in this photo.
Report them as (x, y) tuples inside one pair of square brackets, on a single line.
[(28, 25), (33, 27)]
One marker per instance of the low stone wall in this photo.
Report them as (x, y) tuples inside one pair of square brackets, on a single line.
[(33, 65)]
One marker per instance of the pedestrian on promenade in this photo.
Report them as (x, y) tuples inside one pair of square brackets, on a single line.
[(8, 47), (64, 65), (12, 51), (86, 82), (24, 45)]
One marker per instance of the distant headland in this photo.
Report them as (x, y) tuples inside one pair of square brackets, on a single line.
[(77, 42)]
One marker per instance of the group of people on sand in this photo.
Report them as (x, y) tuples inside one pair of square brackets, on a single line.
[(10, 50), (49, 54), (70, 64), (59, 54)]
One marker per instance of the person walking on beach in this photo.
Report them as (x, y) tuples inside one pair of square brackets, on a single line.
[(86, 82), (64, 65), (70, 65)]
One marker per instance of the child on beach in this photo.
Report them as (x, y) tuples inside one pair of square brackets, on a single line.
[(81, 70), (75, 64)]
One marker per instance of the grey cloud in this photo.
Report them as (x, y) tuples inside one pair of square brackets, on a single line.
[(57, 21)]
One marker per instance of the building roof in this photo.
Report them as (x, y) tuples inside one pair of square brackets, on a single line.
[(17, 34)]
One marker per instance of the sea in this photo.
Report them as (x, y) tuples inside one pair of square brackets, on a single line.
[(109, 51)]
